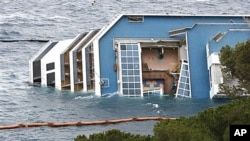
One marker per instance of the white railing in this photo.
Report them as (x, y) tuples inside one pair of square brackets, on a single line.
[(154, 92)]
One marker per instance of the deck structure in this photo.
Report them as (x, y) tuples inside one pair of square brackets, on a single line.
[(138, 54)]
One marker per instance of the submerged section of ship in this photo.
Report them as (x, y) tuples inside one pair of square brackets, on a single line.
[(140, 55)]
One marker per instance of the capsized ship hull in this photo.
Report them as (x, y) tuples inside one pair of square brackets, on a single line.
[(137, 55)]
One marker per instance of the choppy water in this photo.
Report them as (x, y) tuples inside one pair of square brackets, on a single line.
[(56, 20)]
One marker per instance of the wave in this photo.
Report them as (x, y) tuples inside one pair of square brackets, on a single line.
[(57, 17), (108, 95), (58, 20), (8, 34), (5, 32), (84, 97), (155, 105), (6, 24), (30, 19), (197, 0), (15, 16)]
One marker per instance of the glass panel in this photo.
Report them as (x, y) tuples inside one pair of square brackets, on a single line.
[(123, 47), (125, 85), (185, 67), (125, 91), (131, 91), (130, 60), (124, 72), (137, 85), (136, 66), (124, 66), (131, 79), (135, 47), (138, 91), (136, 72), (50, 66), (182, 85), (186, 93), (135, 53), (124, 60), (130, 69), (183, 79), (184, 73), (130, 66), (137, 79), (129, 47), (181, 91), (131, 85), (123, 53), (136, 59), (129, 53), (130, 72), (125, 79)]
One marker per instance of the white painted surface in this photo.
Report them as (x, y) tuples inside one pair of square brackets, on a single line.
[(54, 56), (97, 67)]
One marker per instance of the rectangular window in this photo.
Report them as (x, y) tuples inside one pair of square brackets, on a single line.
[(51, 79), (105, 82), (123, 47), (184, 84), (50, 66), (130, 69)]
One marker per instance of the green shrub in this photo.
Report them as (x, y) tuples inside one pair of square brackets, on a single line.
[(183, 129), (114, 135)]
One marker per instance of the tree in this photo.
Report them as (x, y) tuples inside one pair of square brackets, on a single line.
[(236, 64), (114, 135)]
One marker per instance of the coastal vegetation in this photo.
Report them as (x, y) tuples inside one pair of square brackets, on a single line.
[(236, 66)]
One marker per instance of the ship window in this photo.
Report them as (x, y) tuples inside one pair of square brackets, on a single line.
[(136, 59), (125, 79), (50, 66), (123, 47), (131, 78), (105, 82), (125, 91), (137, 79), (130, 60), (123, 53), (129, 53), (130, 66), (124, 72), (130, 69), (51, 79), (184, 84), (125, 66), (135, 18)]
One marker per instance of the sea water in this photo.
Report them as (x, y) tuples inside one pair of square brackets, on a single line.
[(56, 20)]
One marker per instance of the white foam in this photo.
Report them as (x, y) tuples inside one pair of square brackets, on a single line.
[(156, 105), (84, 97)]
